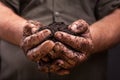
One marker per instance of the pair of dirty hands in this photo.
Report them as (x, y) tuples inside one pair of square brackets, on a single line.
[(61, 56)]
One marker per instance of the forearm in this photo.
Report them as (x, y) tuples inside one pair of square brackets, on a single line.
[(11, 25), (106, 32)]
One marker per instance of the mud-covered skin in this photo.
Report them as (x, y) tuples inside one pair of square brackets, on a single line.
[(61, 26), (33, 43), (77, 31), (57, 26), (57, 48), (77, 43)]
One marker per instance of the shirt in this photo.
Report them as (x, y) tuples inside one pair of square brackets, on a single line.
[(15, 66)]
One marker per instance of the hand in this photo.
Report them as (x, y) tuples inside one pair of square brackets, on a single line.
[(65, 59), (81, 42), (32, 41)]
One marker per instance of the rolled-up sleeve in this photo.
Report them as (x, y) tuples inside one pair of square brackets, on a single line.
[(13, 4), (105, 7)]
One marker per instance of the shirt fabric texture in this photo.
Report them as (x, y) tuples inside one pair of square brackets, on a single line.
[(13, 63)]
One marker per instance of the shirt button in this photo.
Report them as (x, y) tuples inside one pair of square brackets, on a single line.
[(57, 14)]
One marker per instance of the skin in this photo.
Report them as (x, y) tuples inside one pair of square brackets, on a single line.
[(100, 41), (15, 21), (10, 24), (109, 26), (105, 34), (65, 58)]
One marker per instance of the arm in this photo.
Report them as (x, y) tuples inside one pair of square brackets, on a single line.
[(13, 29), (106, 32), (11, 25)]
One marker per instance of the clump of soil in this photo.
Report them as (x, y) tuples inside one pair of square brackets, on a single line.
[(56, 26)]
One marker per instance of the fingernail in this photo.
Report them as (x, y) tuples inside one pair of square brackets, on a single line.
[(58, 35), (34, 30), (74, 27), (47, 31)]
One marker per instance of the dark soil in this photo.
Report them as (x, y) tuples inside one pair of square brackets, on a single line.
[(56, 26)]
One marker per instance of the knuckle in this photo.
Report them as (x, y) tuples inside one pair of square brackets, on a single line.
[(33, 55), (78, 26)]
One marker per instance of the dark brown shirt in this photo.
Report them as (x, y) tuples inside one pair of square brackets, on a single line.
[(15, 66)]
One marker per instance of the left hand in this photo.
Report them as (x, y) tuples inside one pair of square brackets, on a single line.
[(82, 42), (65, 59)]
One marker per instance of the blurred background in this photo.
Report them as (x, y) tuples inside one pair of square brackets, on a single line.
[(114, 64)]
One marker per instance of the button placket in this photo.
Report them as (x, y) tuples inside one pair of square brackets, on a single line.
[(57, 14)]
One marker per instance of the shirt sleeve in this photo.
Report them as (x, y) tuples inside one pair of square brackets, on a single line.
[(13, 4), (105, 7)]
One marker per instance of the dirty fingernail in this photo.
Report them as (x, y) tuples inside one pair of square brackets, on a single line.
[(58, 35)]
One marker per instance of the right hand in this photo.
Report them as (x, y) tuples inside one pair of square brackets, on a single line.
[(32, 42)]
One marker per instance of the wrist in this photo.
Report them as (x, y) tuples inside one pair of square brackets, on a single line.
[(96, 38)]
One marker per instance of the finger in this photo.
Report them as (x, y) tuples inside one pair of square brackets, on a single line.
[(44, 67), (41, 51), (31, 27), (58, 71), (53, 68), (62, 63), (50, 67), (80, 26), (63, 72), (57, 50), (63, 53), (45, 59), (76, 42), (35, 39), (71, 58), (54, 54)]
